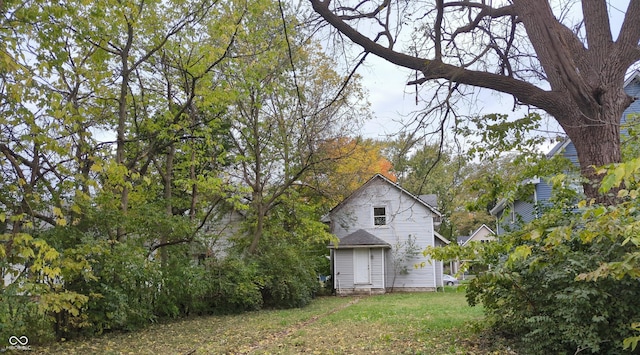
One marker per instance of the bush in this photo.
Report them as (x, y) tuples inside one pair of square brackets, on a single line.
[(125, 291), (20, 316), (288, 279), (233, 286), (538, 301), (569, 281)]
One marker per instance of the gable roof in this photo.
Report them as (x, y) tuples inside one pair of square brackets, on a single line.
[(634, 76), (470, 238), (462, 240), (502, 204), (442, 239), (360, 239), (398, 187), (559, 147)]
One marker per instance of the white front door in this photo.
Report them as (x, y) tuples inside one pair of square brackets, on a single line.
[(361, 266)]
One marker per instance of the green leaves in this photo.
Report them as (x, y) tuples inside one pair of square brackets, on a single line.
[(497, 134), (568, 280), (632, 342)]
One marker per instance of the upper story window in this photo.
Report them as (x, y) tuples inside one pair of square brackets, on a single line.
[(379, 216)]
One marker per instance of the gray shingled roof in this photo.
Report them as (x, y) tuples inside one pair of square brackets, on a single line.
[(361, 238), (463, 239)]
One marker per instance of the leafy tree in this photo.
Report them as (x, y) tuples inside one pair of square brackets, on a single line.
[(289, 102), (434, 169), (347, 164), (566, 282), (112, 161), (563, 60)]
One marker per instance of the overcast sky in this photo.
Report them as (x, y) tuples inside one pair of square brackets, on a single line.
[(392, 101)]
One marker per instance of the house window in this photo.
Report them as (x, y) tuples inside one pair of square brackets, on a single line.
[(379, 216)]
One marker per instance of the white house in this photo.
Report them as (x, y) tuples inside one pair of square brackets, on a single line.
[(483, 234), (376, 226)]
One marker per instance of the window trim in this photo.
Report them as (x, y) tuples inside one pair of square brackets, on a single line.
[(375, 216)]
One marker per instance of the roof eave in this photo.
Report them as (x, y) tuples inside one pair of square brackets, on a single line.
[(499, 207), (635, 75), (443, 239), (359, 246)]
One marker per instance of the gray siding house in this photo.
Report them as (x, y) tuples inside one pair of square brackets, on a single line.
[(510, 214), (374, 226)]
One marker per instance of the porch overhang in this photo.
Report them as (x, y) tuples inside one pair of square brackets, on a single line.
[(360, 239)]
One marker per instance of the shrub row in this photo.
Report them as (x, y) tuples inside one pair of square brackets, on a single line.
[(122, 288)]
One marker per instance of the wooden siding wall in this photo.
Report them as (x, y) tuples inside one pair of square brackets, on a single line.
[(227, 225), (405, 216), (525, 209), (344, 262), (633, 90), (377, 268), (343, 259)]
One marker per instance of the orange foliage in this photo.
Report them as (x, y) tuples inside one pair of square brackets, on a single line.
[(353, 161)]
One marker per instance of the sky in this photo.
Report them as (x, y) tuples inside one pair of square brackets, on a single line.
[(392, 101)]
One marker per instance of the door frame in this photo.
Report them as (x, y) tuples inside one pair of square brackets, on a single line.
[(358, 262)]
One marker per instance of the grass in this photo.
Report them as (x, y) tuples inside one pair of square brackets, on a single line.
[(401, 323)]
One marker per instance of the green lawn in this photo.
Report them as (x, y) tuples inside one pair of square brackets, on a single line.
[(428, 323)]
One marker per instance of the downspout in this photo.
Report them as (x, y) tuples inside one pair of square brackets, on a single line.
[(384, 271), (433, 242), (336, 282), (441, 271)]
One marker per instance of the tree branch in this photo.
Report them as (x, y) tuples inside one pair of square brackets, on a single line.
[(523, 91)]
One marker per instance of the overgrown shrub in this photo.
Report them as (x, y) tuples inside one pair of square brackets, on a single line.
[(36, 300), (125, 290), (537, 300), (20, 316), (288, 278), (569, 281), (233, 285)]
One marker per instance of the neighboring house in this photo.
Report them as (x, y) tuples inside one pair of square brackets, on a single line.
[(483, 234), (376, 222), (509, 215), (224, 225)]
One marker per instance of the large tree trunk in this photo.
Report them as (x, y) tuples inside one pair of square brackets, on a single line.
[(596, 146)]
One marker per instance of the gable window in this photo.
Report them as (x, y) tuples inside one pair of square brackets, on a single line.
[(379, 216)]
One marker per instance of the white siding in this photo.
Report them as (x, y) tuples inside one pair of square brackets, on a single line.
[(377, 268), (224, 225), (405, 216), (343, 259)]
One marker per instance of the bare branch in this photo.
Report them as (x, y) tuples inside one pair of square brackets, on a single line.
[(432, 69), (486, 11)]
